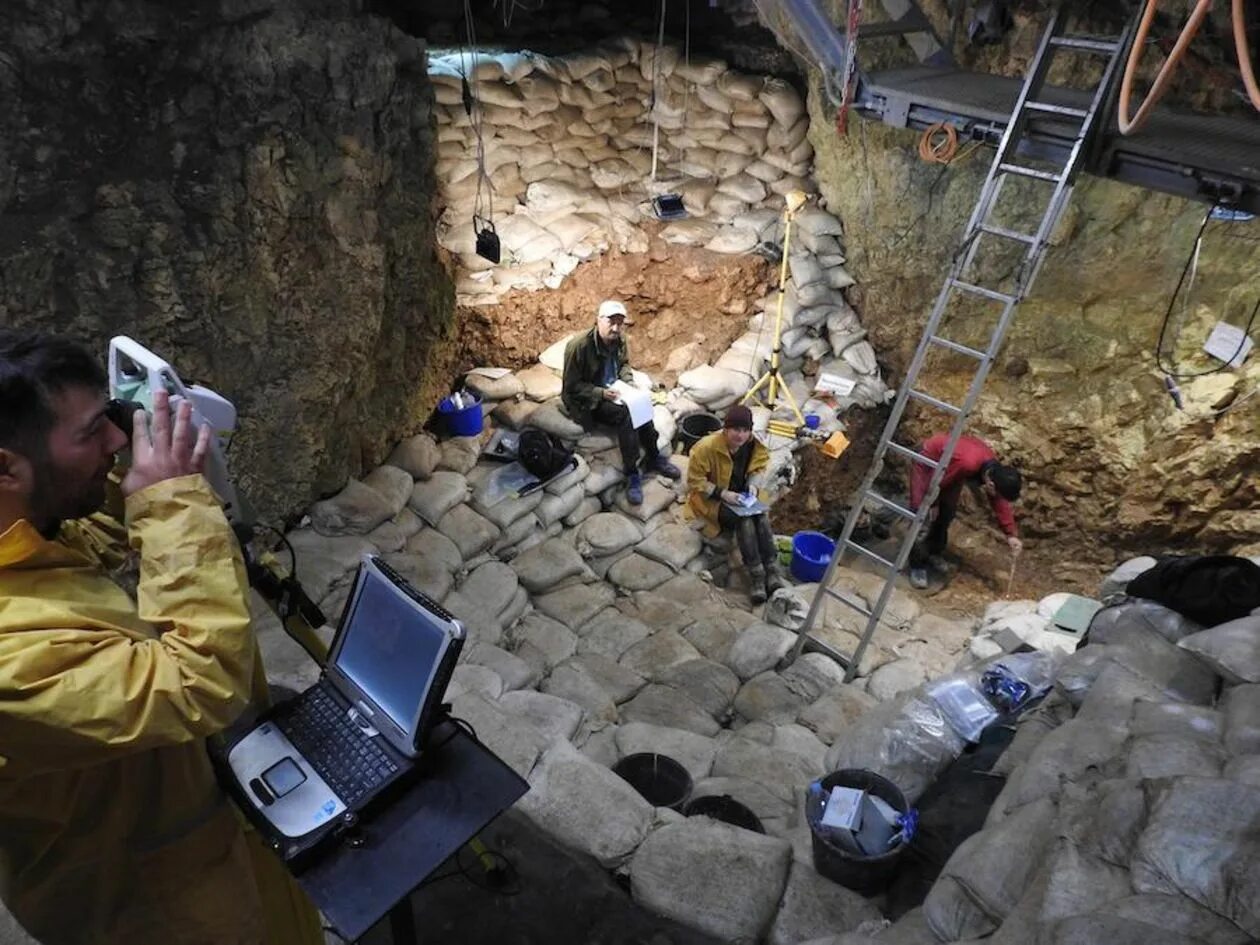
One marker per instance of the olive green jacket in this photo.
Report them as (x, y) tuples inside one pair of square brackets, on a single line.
[(583, 370)]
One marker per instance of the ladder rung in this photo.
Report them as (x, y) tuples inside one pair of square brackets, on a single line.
[(849, 602), (1029, 172), (1009, 234), (913, 455), (1070, 112), (955, 346), (981, 290), (932, 401), (890, 504), (866, 552), (817, 646), (1086, 43)]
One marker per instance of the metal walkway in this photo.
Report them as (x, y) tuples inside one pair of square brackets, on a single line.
[(1202, 157)]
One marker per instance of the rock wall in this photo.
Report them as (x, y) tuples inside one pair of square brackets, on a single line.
[(1076, 399), (245, 188)]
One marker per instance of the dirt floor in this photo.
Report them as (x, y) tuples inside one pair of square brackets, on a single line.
[(684, 302)]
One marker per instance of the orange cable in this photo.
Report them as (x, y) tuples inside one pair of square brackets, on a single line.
[(1244, 54), (936, 149)]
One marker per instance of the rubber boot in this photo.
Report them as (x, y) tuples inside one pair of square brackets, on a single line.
[(775, 581), (757, 576)]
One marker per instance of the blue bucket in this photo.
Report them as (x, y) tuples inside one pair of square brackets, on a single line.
[(811, 552), (461, 421)]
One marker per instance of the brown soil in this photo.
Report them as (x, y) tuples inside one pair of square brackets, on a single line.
[(683, 301)]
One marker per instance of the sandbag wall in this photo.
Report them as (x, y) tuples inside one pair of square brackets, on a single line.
[(567, 149)]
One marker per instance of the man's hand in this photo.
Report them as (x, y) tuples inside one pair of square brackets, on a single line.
[(1015, 544), (610, 394), (167, 453), (729, 497)]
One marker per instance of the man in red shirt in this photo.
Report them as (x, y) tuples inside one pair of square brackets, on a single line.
[(975, 464)]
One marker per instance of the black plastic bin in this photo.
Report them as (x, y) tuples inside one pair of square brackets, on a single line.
[(695, 427), (661, 780), (725, 808), (865, 874)]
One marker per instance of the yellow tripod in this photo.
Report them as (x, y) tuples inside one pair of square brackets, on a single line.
[(771, 380)]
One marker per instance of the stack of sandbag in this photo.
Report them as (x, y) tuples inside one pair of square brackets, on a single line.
[(566, 157), (1132, 795)]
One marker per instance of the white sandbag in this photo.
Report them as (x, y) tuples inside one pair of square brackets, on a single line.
[(553, 355), (1242, 720), (696, 195), (553, 195), (1130, 620), (355, 510), (538, 94), (744, 187), (740, 88), (732, 241), (613, 174), (525, 240), (782, 101), (714, 98), (539, 382), (553, 508), (493, 385), (700, 70), (805, 272), (1231, 649), (657, 63), (724, 206), (551, 418), (839, 278)]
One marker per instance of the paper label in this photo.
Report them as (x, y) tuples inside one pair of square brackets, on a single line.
[(834, 384), (1228, 343)]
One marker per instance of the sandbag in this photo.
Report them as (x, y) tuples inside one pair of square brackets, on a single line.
[(1231, 649), (1242, 720), (782, 101), (1119, 623)]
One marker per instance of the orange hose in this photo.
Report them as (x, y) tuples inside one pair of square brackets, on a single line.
[(1128, 125), (935, 149), (1244, 54)]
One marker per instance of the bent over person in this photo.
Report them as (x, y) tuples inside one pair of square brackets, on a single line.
[(974, 464), (723, 469), (593, 363), (112, 828)]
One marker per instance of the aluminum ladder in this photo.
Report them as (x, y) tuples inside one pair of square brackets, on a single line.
[(1032, 104)]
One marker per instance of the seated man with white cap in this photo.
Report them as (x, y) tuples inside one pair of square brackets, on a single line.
[(593, 362)]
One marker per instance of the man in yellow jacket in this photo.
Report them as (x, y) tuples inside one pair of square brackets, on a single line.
[(724, 467), (112, 829)]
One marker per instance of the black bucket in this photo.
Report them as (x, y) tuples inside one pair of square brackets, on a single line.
[(695, 427), (661, 780), (726, 809), (865, 874)]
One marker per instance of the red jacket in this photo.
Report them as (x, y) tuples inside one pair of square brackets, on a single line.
[(970, 455)]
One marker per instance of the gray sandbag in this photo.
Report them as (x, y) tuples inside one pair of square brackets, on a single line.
[(673, 545), (1201, 842), (694, 752), (494, 388), (610, 633), (1172, 756), (547, 564), (551, 418), (1177, 915), (607, 533), (557, 718), (554, 508), (355, 510), (1119, 622), (539, 382), (575, 605), (986, 876), (758, 648), (426, 574), (813, 905), (635, 572), (711, 876), (1115, 583), (471, 533), (1242, 720), (392, 484), (1105, 820), (1075, 752), (460, 454), (1080, 883), (432, 498), (1231, 649), (492, 584), (1177, 718), (417, 455), (1176, 673)]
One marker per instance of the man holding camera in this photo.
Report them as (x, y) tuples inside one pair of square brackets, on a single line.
[(112, 828), (593, 363)]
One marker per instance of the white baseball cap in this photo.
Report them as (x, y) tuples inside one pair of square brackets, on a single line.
[(611, 308)]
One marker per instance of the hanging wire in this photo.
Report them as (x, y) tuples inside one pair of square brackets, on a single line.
[(483, 210), (656, 72), (1190, 269)]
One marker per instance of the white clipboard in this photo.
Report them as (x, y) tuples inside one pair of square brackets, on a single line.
[(638, 402)]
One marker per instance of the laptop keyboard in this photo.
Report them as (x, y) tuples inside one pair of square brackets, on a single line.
[(352, 763)]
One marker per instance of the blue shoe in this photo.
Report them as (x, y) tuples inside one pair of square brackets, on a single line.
[(667, 469), (634, 489), (919, 578)]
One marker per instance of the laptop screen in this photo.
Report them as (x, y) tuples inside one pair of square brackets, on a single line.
[(390, 647)]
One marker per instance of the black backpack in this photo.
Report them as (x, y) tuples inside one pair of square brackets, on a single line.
[(542, 454), (1209, 589)]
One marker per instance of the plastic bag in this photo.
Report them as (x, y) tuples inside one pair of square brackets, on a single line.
[(964, 706)]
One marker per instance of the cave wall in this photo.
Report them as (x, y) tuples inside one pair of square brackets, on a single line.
[(1076, 397), (244, 187)]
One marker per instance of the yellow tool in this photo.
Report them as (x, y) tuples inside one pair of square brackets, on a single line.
[(782, 428), (836, 444)]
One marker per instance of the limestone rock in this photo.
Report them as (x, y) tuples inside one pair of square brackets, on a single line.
[(610, 633), (418, 455), (555, 717), (712, 876), (814, 906), (660, 705), (694, 752), (586, 806), (759, 648)]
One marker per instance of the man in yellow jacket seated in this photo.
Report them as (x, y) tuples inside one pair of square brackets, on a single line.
[(112, 829), (723, 467)]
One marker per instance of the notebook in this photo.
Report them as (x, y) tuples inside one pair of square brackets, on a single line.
[(318, 760)]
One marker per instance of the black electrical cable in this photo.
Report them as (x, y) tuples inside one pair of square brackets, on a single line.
[(1168, 369), (287, 545)]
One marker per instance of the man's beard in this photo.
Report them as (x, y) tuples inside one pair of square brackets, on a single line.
[(56, 498)]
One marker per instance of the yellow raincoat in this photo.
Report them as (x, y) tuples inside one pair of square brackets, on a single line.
[(709, 464), (112, 829)]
